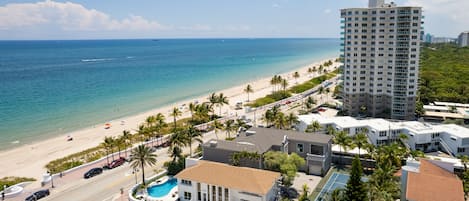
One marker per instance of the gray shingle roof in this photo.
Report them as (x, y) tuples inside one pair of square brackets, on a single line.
[(264, 138)]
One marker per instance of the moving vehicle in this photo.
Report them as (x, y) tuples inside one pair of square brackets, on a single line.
[(93, 172), (38, 195), (116, 163)]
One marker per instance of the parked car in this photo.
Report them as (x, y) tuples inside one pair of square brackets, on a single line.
[(93, 172), (116, 163), (38, 195)]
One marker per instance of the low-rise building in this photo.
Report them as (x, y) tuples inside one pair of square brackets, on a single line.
[(425, 181), (450, 138), (463, 39), (314, 148), (441, 111), (213, 181)]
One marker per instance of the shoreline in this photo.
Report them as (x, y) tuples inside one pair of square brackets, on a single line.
[(28, 160)]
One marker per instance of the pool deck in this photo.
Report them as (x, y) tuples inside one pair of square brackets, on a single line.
[(171, 196)]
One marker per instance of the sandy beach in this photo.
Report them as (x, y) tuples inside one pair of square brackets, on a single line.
[(29, 160)]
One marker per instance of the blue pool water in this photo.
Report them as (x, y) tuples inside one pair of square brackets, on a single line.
[(162, 190)]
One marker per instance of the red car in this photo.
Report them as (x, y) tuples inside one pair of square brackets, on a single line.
[(117, 163)]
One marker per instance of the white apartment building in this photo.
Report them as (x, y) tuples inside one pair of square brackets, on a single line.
[(450, 138), (381, 47), (463, 39), (212, 181)]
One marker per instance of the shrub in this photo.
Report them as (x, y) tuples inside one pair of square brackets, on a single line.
[(10, 181), (271, 98), (175, 167)]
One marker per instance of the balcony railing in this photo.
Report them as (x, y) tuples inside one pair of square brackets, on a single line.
[(314, 157)]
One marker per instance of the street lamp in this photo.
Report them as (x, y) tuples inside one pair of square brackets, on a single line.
[(134, 171), (51, 179)]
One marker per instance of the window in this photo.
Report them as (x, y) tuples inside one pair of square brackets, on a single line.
[(299, 148), (316, 149), (214, 193), (382, 133), (187, 196), (186, 182), (227, 194), (461, 149), (220, 192)]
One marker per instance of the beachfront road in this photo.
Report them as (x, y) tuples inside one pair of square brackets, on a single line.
[(107, 186)]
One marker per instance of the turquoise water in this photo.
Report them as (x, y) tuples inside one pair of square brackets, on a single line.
[(52, 87), (162, 189)]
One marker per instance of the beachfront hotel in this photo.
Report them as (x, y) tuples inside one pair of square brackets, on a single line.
[(211, 181), (381, 47)]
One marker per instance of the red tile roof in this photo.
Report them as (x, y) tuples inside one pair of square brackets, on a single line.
[(433, 183)]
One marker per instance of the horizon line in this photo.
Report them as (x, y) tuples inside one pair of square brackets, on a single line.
[(182, 38)]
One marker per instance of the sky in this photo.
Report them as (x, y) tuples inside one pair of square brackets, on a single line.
[(113, 19)]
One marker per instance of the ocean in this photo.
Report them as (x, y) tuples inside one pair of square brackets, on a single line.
[(52, 87)]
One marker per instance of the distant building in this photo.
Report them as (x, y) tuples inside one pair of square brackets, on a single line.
[(428, 38), (463, 39), (441, 111), (424, 181), (436, 40), (381, 50), (314, 148), (207, 180), (450, 138)]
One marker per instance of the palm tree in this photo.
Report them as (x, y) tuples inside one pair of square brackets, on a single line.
[(296, 75), (143, 132), (222, 100), (177, 140), (229, 127), (343, 140), (321, 91), (292, 119), (240, 124), (314, 69), (269, 117), (305, 195), (248, 90), (193, 135), (217, 126), (175, 114), (330, 130), (192, 110), (120, 144), (280, 121), (383, 185), (314, 127), (273, 82), (108, 144), (127, 137), (310, 70), (310, 102), (337, 194), (284, 84), (159, 124), (360, 140), (202, 112), (140, 157), (213, 100)]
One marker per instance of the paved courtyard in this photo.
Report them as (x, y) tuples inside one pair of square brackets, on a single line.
[(311, 180)]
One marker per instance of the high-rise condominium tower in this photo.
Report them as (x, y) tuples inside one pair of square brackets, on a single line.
[(381, 46)]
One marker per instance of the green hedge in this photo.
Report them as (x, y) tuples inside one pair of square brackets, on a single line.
[(312, 83), (271, 98)]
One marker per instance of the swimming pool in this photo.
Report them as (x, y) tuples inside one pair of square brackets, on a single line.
[(163, 189)]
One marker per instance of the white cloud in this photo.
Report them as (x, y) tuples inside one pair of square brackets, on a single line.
[(327, 11), (275, 5), (445, 17), (69, 16)]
